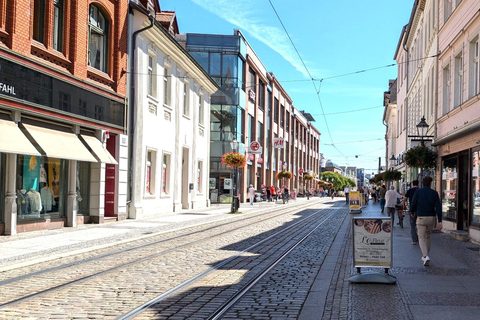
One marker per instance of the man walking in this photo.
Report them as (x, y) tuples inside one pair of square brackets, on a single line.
[(347, 192), (413, 216), (381, 195), (391, 197), (426, 204)]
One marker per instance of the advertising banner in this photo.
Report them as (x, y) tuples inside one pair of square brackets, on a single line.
[(372, 242), (354, 201)]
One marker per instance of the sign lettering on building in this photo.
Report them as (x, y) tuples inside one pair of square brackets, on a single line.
[(278, 143)]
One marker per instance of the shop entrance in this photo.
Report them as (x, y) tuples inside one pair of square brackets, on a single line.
[(110, 180), (462, 205)]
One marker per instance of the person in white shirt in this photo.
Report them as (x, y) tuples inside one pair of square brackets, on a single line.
[(251, 193), (347, 192), (391, 197)]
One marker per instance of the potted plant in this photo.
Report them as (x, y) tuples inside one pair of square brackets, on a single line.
[(284, 175), (420, 157), (392, 175), (234, 160)]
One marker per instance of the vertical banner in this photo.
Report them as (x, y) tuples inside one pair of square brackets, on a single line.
[(354, 201), (372, 242)]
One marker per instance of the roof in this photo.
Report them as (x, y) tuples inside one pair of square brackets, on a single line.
[(168, 20)]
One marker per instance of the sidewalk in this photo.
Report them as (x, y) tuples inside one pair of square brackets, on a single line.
[(447, 289)]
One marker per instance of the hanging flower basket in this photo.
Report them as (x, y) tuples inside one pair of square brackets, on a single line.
[(307, 177), (234, 160), (420, 157), (392, 175), (284, 175)]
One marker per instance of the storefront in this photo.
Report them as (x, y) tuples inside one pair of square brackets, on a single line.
[(460, 188), (53, 156)]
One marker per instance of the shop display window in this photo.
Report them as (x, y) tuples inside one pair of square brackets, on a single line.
[(449, 188), (41, 187), (476, 187), (83, 188)]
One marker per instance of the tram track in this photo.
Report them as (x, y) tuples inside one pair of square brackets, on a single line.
[(177, 244)]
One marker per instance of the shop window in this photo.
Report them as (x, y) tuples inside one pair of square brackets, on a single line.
[(476, 187), (449, 188), (150, 172), (166, 168), (39, 20), (152, 78), (42, 187), (200, 177), (58, 25), (2, 188), (98, 39)]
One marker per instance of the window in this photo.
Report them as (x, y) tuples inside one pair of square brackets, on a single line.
[(282, 116), (201, 115), (58, 25), (64, 101), (458, 80), (150, 172), (215, 64), (200, 176), (446, 90), (39, 20), (166, 174), (98, 39), (261, 96), (473, 78), (275, 111), (166, 86), (186, 100), (476, 187), (152, 71)]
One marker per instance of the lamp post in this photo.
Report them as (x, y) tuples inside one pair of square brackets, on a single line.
[(235, 204), (422, 129)]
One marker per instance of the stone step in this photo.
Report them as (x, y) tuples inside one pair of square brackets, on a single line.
[(459, 235)]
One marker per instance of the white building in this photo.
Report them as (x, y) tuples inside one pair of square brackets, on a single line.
[(169, 108)]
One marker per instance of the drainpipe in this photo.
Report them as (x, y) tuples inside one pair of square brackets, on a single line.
[(131, 109)]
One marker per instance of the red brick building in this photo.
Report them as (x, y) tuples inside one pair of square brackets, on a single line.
[(63, 82)]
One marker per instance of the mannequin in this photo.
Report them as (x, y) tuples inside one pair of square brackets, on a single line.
[(35, 201), (47, 198), (23, 201)]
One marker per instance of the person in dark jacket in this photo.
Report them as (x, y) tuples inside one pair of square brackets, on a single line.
[(413, 217), (426, 204)]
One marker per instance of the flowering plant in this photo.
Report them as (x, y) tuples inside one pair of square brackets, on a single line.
[(392, 175), (307, 177), (234, 160), (284, 175), (420, 157)]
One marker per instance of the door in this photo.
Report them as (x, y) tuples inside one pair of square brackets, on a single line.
[(110, 179), (462, 205)]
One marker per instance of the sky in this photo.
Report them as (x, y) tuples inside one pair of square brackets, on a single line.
[(334, 59)]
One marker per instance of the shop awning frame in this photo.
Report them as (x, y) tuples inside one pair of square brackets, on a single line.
[(98, 150), (12, 140)]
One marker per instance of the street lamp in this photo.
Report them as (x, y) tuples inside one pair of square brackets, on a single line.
[(393, 161), (422, 128), (235, 204)]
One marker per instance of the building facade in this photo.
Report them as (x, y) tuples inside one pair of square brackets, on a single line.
[(170, 107), (62, 113), (252, 106), (458, 116)]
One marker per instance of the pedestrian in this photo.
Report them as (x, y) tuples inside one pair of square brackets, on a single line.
[(251, 193), (426, 204), (269, 194), (347, 192), (413, 216), (391, 197), (272, 191), (374, 194), (332, 193), (381, 195)]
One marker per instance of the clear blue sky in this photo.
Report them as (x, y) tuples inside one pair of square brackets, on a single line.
[(333, 38)]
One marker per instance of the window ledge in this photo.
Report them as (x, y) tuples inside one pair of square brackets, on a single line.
[(149, 196), (99, 76), (166, 106), (152, 98), (186, 117), (53, 56)]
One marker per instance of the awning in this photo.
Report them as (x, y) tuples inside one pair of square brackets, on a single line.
[(99, 150), (59, 144), (12, 140)]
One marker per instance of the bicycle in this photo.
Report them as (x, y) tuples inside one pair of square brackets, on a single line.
[(400, 209)]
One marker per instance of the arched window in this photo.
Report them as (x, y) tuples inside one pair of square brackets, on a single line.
[(98, 39)]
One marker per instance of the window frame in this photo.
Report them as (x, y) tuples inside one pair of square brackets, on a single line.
[(167, 85), (58, 17), (151, 75), (96, 17), (150, 175), (166, 173)]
